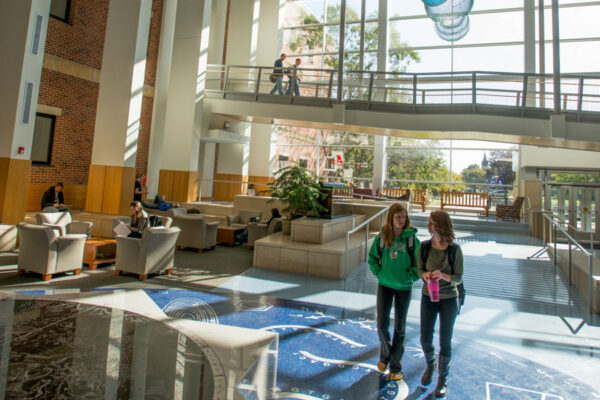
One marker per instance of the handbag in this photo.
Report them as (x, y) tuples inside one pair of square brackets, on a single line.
[(272, 78)]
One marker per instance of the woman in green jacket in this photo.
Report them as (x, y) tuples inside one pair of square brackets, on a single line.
[(392, 260)]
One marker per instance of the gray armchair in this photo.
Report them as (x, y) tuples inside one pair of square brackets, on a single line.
[(62, 222), (8, 242), (243, 217), (196, 232), (45, 252), (258, 230), (154, 252)]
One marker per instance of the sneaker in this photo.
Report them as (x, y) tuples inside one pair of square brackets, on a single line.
[(395, 376), (381, 366)]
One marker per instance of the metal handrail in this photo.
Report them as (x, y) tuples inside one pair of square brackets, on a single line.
[(572, 241), (528, 90), (360, 226)]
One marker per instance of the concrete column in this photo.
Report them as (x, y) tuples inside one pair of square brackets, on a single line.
[(529, 49), (23, 27), (231, 176), (382, 39), (260, 156), (112, 173), (379, 162), (184, 118), (161, 90)]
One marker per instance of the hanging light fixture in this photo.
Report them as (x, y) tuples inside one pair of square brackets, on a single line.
[(453, 29), (433, 2), (448, 9)]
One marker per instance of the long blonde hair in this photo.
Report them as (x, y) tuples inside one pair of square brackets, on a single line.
[(443, 225), (139, 210), (388, 228)]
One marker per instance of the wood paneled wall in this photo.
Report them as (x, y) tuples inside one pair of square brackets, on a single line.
[(74, 196), (110, 189), (231, 184), (178, 185), (14, 174)]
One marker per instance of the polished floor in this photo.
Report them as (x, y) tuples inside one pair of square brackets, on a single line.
[(514, 338)]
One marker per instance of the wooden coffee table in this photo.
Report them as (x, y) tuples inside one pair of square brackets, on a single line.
[(94, 247), (226, 234)]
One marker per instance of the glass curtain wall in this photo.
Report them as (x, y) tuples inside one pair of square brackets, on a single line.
[(435, 165)]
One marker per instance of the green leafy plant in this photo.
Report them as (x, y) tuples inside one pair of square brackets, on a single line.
[(297, 188)]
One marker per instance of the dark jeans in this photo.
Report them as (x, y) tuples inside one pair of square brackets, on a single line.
[(392, 350), (447, 309)]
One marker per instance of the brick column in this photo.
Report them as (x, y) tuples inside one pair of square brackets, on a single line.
[(23, 27), (112, 173)]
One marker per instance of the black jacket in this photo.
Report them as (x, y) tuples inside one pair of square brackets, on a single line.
[(49, 196)]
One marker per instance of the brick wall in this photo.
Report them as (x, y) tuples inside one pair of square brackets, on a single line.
[(73, 131), (81, 40)]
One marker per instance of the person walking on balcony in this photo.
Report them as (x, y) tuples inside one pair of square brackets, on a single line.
[(440, 264), (392, 261), (278, 75), (293, 75)]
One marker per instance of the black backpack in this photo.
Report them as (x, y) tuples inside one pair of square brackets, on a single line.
[(425, 246), (153, 220)]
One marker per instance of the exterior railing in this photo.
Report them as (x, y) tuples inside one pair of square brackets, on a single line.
[(515, 93), (556, 226)]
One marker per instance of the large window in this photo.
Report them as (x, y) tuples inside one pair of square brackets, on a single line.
[(43, 134), (60, 9)]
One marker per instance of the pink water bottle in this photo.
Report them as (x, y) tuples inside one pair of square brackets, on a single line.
[(433, 286)]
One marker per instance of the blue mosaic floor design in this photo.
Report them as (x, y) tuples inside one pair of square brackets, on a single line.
[(331, 353)]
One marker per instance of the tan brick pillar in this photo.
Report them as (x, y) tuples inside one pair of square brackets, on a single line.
[(23, 27)]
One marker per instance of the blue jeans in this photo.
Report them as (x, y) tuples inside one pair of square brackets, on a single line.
[(392, 350), (294, 83), (278, 85), (447, 309)]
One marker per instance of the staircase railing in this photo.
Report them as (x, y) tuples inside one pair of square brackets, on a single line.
[(366, 225)]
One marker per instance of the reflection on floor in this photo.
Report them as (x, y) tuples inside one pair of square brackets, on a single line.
[(510, 341)]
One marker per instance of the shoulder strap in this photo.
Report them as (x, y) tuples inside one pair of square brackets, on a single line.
[(452, 255), (410, 247), (425, 246), (379, 248)]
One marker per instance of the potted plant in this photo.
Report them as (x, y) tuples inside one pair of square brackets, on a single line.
[(298, 190)]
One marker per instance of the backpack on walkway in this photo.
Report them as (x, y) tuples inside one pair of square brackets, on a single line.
[(451, 250)]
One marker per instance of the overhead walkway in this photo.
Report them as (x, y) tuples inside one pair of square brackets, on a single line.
[(506, 107)]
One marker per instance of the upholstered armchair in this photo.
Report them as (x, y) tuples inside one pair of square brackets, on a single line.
[(62, 222), (243, 217), (512, 211), (196, 232), (43, 251), (153, 253), (8, 242), (258, 230)]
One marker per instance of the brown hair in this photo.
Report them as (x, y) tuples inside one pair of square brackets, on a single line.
[(388, 228), (138, 209), (443, 225)]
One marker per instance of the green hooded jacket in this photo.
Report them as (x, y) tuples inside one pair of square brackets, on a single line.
[(395, 273)]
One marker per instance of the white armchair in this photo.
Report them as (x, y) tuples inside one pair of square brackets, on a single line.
[(45, 252), (153, 253), (8, 242), (196, 232), (62, 222), (243, 217)]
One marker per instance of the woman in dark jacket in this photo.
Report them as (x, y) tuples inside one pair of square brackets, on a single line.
[(433, 261)]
